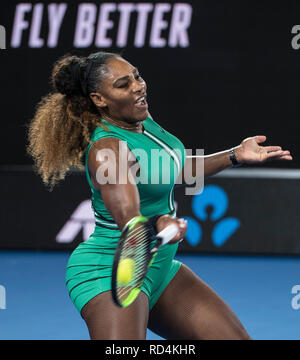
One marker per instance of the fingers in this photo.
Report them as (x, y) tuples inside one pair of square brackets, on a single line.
[(276, 153), (260, 138), (272, 148), (287, 157), (283, 157), (279, 155), (272, 154), (182, 226)]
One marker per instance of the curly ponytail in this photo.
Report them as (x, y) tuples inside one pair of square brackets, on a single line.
[(64, 120)]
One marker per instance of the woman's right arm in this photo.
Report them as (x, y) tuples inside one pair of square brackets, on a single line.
[(119, 194)]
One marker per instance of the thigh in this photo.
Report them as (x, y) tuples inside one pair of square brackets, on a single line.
[(107, 321), (190, 309)]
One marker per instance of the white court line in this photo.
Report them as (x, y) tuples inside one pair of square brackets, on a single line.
[(241, 172), (260, 173)]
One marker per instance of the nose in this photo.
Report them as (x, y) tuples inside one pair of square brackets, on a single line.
[(138, 86)]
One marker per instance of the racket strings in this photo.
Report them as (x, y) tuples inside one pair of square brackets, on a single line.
[(137, 231), (138, 252), (132, 247)]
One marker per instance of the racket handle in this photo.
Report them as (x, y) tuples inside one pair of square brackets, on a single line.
[(168, 233)]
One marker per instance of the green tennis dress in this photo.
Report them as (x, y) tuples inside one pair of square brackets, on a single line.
[(160, 157)]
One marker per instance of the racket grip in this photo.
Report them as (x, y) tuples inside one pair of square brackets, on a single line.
[(168, 233)]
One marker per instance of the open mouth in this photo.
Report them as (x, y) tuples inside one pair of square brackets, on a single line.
[(141, 101)]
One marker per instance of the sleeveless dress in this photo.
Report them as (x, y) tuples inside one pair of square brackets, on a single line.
[(160, 157)]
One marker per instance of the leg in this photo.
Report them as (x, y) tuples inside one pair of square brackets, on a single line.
[(190, 309), (106, 321)]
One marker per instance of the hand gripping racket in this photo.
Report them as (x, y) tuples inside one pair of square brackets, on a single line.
[(134, 253)]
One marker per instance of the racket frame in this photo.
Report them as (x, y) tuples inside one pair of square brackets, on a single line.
[(136, 290)]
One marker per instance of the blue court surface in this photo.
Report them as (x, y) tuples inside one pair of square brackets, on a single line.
[(262, 291)]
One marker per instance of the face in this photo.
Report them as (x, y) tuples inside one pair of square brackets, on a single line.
[(123, 92)]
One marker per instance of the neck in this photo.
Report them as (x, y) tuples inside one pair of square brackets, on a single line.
[(135, 127)]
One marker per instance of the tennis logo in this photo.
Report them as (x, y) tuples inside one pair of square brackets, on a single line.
[(81, 220), (2, 38), (2, 297), (215, 198)]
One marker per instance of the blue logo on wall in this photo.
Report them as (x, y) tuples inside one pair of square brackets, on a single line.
[(215, 198)]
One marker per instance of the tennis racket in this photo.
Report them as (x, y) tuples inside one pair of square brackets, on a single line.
[(134, 254)]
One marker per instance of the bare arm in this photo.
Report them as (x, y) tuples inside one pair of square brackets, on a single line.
[(121, 199), (248, 152), (212, 164)]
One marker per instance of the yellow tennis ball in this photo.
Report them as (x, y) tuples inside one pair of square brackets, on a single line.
[(125, 271)]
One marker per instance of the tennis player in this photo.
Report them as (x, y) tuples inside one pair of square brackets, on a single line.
[(100, 103)]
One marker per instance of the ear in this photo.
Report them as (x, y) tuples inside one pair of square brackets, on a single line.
[(98, 100)]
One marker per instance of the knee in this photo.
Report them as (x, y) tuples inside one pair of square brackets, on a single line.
[(236, 332)]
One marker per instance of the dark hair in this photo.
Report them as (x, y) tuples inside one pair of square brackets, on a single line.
[(73, 75), (64, 119)]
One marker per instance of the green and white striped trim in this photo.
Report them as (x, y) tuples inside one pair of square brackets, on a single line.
[(171, 204), (169, 150), (175, 157), (106, 223)]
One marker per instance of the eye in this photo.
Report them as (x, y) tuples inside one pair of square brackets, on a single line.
[(123, 85)]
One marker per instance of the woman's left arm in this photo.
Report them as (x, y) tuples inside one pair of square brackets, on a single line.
[(248, 152)]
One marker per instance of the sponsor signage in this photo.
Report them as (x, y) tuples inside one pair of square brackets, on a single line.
[(231, 215), (208, 74), (102, 25), (242, 215)]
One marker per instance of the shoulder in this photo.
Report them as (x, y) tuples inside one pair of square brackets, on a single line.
[(104, 136), (108, 153), (103, 148), (100, 131)]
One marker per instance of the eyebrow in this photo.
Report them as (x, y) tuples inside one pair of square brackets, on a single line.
[(135, 70)]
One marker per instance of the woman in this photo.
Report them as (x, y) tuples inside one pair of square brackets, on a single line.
[(100, 103)]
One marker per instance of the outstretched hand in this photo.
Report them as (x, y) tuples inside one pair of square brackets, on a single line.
[(251, 152)]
